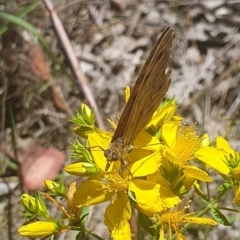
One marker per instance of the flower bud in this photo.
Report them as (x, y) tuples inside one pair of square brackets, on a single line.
[(81, 169), (34, 205), (38, 229), (57, 188)]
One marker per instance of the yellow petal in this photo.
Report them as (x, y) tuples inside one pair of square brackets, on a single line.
[(146, 141), (90, 192), (147, 165), (158, 178), (116, 217), (200, 220), (169, 133), (171, 157), (196, 173), (205, 140), (38, 229), (143, 146), (151, 197), (214, 158), (165, 114), (99, 141), (221, 143)]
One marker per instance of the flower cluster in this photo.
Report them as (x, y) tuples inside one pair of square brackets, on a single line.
[(166, 161)]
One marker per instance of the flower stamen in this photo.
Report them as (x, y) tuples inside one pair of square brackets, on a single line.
[(187, 143), (114, 183)]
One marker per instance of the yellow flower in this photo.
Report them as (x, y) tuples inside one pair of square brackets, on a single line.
[(117, 183), (38, 229), (175, 218), (182, 141), (183, 145), (110, 186)]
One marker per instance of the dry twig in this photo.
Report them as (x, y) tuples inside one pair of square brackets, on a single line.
[(82, 80)]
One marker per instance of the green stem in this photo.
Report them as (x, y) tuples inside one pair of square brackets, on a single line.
[(229, 209)]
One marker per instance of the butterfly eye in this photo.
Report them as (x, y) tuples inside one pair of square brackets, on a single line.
[(115, 156), (111, 154)]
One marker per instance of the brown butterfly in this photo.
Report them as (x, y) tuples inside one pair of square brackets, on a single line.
[(147, 93)]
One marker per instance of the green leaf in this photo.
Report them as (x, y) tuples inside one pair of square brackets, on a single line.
[(219, 217), (146, 223), (223, 188), (21, 14)]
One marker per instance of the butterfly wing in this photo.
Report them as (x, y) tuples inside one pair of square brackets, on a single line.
[(148, 91)]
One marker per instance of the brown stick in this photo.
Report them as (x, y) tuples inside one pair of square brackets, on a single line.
[(82, 80)]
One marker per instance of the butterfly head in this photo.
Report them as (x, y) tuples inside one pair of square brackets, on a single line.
[(116, 151)]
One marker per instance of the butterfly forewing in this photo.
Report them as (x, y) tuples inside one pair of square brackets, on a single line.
[(148, 91)]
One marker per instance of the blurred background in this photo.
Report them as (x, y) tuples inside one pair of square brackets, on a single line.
[(111, 39)]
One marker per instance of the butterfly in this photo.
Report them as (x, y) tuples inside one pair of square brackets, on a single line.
[(148, 92)]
